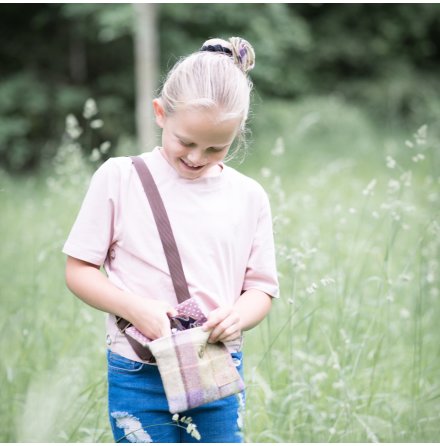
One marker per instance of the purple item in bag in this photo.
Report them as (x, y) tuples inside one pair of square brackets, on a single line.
[(187, 309)]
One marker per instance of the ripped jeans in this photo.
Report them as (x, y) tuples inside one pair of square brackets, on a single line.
[(138, 408)]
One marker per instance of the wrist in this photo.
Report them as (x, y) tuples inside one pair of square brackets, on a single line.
[(129, 307)]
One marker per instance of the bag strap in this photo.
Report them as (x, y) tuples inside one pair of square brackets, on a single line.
[(169, 246), (164, 227)]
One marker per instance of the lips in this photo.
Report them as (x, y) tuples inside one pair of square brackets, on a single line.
[(189, 166)]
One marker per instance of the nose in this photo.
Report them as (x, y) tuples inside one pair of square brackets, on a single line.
[(196, 157)]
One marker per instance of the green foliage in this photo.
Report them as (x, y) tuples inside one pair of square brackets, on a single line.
[(384, 56), (23, 103), (352, 346)]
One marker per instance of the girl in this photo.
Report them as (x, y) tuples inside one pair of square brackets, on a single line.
[(221, 221)]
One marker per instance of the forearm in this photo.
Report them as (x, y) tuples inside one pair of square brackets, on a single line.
[(88, 283), (252, 307), (148, 315)]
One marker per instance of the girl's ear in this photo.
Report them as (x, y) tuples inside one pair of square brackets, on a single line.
[(159, 112)]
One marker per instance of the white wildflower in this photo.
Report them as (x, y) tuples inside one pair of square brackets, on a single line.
[(96, 123), (90, 108), (418, 157), (195, 434), (332, 431), (266, 172), (73, 128), (389, 298), (325, 281), (421, 135), (312, 288), (278, 149), (395, 216), (104, 147), (404, 313), (393, 186), (352, 210), (95, 155), (391, 162), (370, 187), (409, 144), (175, 417), (318, 377)]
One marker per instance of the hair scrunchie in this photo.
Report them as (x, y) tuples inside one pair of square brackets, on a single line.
[(243, 53), (216, 49), (240, 50)]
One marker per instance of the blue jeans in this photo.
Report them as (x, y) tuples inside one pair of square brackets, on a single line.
[(138, 408)]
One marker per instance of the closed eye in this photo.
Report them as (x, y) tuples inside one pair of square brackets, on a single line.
[(186, 144)]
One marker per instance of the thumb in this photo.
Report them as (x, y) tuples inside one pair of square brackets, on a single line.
[(172, 312)]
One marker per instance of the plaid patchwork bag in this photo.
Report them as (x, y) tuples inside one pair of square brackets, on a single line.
[(193, 371)]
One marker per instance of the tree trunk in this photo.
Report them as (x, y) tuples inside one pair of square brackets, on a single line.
[(146, 66)]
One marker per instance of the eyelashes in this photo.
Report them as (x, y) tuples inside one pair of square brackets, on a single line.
[(191, 144)]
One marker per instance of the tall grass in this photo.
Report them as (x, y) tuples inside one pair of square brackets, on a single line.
[(351, 350)]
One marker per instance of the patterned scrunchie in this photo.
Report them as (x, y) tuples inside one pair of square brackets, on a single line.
[(241, 52)]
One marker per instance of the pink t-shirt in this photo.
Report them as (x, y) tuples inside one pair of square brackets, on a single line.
[(222, 225)]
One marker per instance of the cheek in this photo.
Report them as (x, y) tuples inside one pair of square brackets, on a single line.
[(220, 156), (172, 145)]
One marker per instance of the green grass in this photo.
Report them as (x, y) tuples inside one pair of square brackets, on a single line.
[(351, 351)]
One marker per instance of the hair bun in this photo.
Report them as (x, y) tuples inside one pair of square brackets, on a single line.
[(239, 49), (243, 53)]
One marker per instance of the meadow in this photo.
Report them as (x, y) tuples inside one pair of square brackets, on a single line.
[(351, 350)]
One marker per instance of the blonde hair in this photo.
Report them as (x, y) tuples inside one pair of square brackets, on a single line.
[(214, 77)]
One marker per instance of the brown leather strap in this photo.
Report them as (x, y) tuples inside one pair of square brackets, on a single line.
[(164, 228), (169, 246), (143, 352)]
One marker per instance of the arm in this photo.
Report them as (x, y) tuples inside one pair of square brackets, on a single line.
[(227, 323), (86, 281)]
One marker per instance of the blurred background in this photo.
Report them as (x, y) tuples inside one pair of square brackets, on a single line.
[(383, 58), (345, 138)]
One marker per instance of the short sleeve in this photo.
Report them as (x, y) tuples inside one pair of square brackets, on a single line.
[(93, 230), (261, 271)]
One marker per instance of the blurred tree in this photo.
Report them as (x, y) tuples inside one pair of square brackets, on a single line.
[(146, 50), (54, 56)]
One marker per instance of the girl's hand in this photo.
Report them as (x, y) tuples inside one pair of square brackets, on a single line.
[(150, 317), (225, 324)]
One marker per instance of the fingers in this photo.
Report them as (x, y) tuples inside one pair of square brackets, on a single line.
[(153, 319), (172, 312), (225, 325)]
